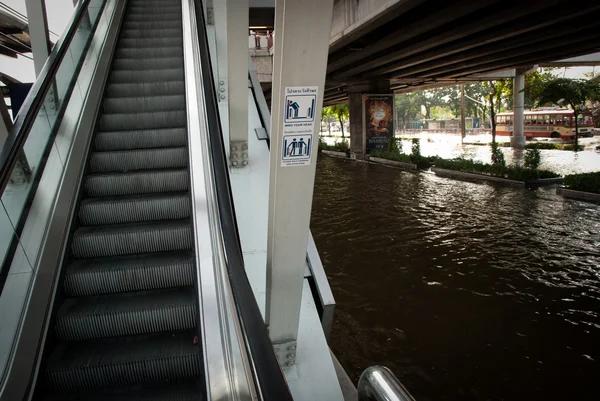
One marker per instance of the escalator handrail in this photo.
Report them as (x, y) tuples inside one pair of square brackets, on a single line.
[(35, 98), (269, 379)]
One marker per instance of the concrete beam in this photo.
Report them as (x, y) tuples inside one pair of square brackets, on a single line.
[(586, 60), (434, 20), (508, 16)]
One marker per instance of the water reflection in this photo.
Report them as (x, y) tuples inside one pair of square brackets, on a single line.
[(467, 291)]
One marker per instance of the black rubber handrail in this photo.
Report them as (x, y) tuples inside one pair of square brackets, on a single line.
[(35, 98), (269, 378)]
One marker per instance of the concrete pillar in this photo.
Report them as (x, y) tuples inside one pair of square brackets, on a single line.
[(237, 74), (463, 127), (38, 33), (300, 65), (357, 131), (517, 140)]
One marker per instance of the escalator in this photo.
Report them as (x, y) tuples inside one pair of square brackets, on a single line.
[(125, 325)]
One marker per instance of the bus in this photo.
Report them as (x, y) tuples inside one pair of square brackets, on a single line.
[(546, 123)]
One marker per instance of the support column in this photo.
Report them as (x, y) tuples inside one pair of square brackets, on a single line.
[(300, 64), (517, 140), (356, 90), (5, 122), (38, 33), (463, 128), (237, 73)]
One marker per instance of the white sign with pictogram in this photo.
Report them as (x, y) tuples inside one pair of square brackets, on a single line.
[(298, 125)]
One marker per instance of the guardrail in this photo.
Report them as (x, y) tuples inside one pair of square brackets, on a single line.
[(379, 383)]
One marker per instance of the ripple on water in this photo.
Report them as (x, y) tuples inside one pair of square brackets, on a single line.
[(465, 290)]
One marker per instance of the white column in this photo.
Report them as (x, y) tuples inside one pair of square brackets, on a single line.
[(5, 121), (300, 62), (217, 15), (517, 140), (463, 128), (38, 32), (237, 73)]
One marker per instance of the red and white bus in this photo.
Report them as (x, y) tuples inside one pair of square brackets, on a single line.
[(546, 123)]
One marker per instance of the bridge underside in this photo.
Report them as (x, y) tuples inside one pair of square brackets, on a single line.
[(419, 44)]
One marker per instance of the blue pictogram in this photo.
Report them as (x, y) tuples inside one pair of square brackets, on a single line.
[(300, 108)]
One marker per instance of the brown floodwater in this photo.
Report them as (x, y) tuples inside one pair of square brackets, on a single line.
[(466, 291)]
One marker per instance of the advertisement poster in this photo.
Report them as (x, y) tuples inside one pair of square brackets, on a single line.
[(379, 121)]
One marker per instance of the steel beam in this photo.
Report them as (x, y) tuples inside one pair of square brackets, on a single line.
[(38, 32)]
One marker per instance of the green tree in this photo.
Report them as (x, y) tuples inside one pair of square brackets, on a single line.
[(496, 93), (574, 92), (326, 115), (407, 108), (341, 112)]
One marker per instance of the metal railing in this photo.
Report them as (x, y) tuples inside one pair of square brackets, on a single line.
[(379, 383), (266, 378)]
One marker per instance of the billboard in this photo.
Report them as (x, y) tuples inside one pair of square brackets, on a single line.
[(378, 121)]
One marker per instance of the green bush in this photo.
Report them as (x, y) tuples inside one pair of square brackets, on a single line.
[(394, 145), (497, 155), (416, 148), (571, 146), (542, 145), (512, 173), (342, 146), (589, 182), (533, 159)]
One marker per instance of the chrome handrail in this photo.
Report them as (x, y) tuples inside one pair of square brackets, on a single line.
[(379, 383)]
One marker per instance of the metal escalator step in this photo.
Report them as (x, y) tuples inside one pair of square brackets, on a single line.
[(143, 104), (129, 273), (141, 182), (151, 33), (133, 238), (140, 139), (166, 8), (122, 361), (134, 209), (143, 25), (169, 15), (149, 52), (141, 64), (178, 390), (127, 121), (146, 89), (138, 159), (129, 76), (153, 42), (126, 314)]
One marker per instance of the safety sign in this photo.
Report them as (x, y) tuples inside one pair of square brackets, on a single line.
[(298, 125)]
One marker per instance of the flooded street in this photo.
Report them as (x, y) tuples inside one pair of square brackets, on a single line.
[(466, 291)]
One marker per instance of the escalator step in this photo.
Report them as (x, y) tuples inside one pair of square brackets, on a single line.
[(129, 239), (122, 361), (146, 89), (143, 104), (141, 139), (166, 8), (129, 273), (126, 314), (158, 24), (142, 182), (129, 76), (134, 209), (126, 121), (149, 52), (180, 390), (151, 33), (153, 42), (168, 15), (136, 160)]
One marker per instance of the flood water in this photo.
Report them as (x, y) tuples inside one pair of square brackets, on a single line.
[(466, 291)]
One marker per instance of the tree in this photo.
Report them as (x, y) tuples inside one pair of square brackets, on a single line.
[(574, 92), (326, 114), (342, 112), (496, 93)]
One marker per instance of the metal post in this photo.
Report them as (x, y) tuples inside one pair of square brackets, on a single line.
[(300, 63), (237, 72), (217, 16), (5, 121), (517, 140), (38, 32), (463, 131)]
